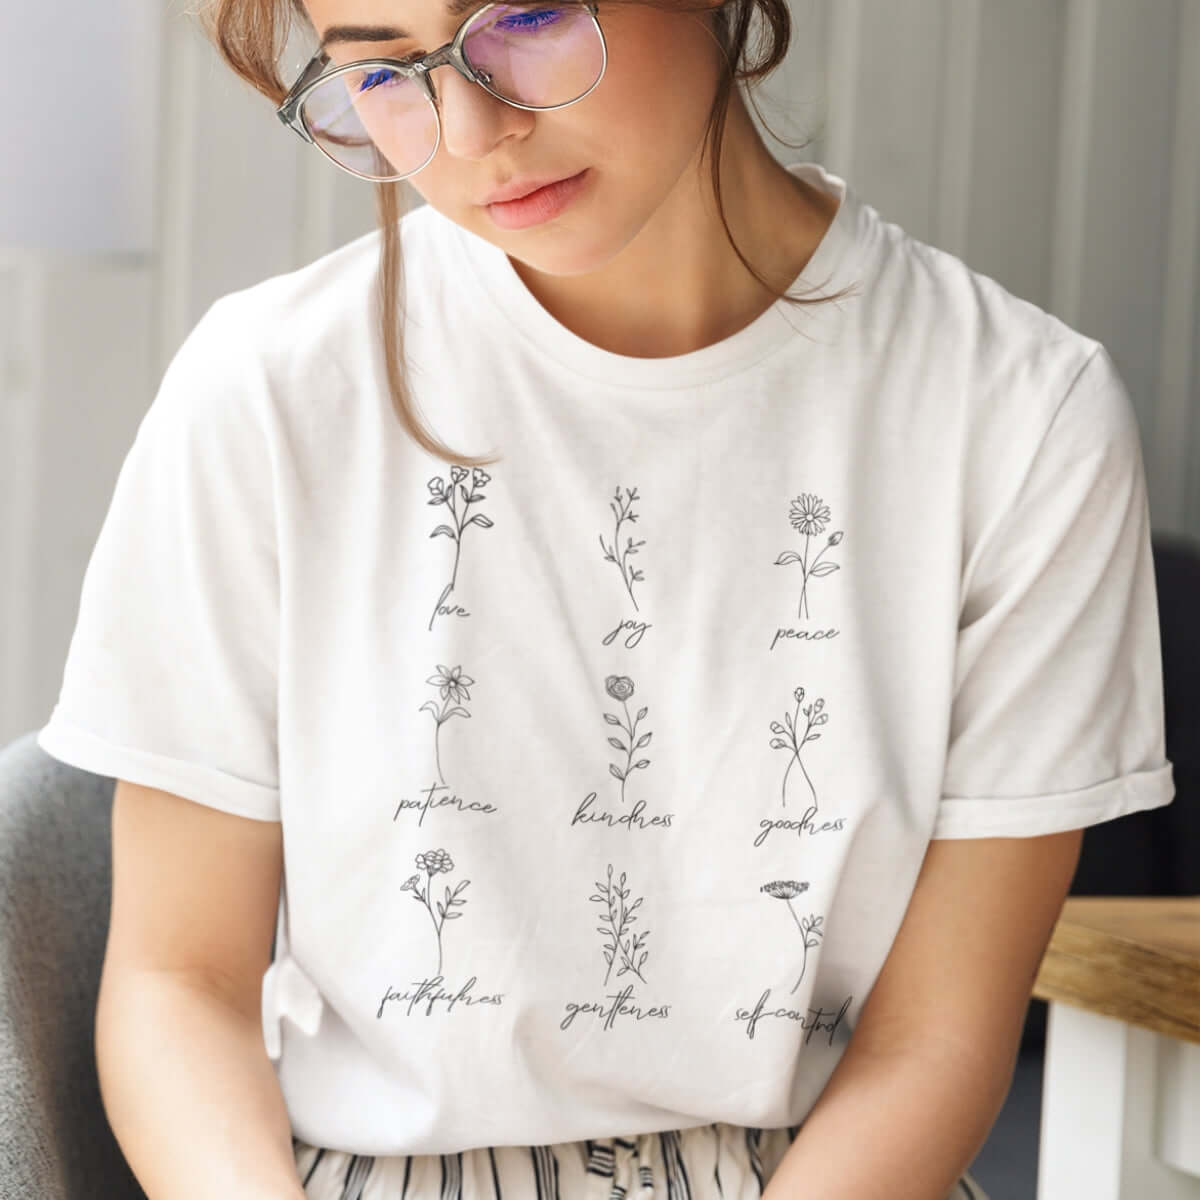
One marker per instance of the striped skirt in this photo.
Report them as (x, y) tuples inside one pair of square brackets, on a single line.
[(706, 1162)]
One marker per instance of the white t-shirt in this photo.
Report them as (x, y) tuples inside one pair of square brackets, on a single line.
[(663, 708)]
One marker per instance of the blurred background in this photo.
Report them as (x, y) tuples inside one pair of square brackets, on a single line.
[(1051, 144)]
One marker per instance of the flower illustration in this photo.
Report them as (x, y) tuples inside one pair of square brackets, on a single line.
[(452, 684), (788, 737), (811, 927), (435, 862), (809, 515), (623, 511), (451, 496), (618, 918), (620, 687)]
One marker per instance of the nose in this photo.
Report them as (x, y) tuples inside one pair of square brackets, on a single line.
[(474, 121)]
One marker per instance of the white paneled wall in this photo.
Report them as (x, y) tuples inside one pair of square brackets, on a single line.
[(1052, 144)]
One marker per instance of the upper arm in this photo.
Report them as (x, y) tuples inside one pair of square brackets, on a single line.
[(195, 891), (962, 967)]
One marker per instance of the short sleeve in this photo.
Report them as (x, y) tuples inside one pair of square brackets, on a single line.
[(171, 672), (1057, 719)]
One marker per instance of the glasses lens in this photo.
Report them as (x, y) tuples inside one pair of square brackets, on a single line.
[(542, 56), (373, 120)]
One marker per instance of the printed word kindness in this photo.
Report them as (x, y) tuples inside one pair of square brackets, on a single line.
[(430, 801), (807, 825), (812, 1019), (584, 815), (804, 635), (429, 992), (608, 1013), (637, 630)]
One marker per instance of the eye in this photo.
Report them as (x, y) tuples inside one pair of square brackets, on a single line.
[(530, 20)]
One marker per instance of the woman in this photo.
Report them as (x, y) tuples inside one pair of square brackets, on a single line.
[(748, 665)]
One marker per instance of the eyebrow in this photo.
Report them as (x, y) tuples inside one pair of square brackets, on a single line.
[(387, 33)]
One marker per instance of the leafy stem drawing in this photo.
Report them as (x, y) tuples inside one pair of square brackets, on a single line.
[(452, 684), (619, 916), (451, 497), (623, 511), (811, 927), (788, 737), (434, 862), (620, 687), (809, 516)]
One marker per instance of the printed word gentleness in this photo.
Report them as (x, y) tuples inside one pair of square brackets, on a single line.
[(431, 991), (620, 1007), (805, 635), (806, 824), (637, 631), (441, 802), (790, 1014), (632, 817)]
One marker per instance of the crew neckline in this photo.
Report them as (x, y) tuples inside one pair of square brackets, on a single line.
[(827, 268)]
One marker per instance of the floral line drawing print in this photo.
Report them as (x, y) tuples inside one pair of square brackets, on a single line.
[(441, 494), (434, 862), (809, 515), (620, 916), (811, 927), (452, 684), (620, 687), (623, 511), (788, 737)]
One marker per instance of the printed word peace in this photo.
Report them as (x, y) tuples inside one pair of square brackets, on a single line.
[(619, 1007), (431, 990), (449, 610), (752, 1018), (802, 826), (805, 635), (632, 817), (638, 628), (441, 802)]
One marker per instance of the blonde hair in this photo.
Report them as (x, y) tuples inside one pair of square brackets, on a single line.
[(250, 36)]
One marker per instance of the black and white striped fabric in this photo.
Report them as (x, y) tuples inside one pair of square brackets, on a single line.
[(706, 1162)]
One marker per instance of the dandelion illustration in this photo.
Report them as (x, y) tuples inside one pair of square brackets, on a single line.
[(620, 687), (450, 497), (452, 684), (788, 737), (623, 511), (618, 917), (809, 515), (811, 927), (435, 862)]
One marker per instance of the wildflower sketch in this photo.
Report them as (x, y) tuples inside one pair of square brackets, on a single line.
[(452, 684), (811, 927), (618, 917), (788, 737), (622, 510), (620, 687), (435, 862), (809, 515), (451, 497)]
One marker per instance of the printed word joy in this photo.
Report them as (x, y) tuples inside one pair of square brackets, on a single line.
[(453, 801), (431, 991), (608, 1013), (822, 1019), (636, 631), (584, 815), (806, 825)]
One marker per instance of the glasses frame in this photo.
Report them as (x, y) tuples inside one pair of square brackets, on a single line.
[(451, 54)]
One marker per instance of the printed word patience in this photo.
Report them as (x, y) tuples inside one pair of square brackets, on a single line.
[(430, 992), (825, 1020), (457, 802), (806, 825), (620, 1007), (584, 815), (804, 635)]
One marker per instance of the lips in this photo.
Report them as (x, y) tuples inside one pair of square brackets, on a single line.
[(519, 188)]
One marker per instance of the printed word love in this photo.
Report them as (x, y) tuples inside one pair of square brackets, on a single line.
[(820, 1019), (620, 1007), (431, 992), (804, 635), (457, 802), (631, 818), (806, 825), (448, 610)]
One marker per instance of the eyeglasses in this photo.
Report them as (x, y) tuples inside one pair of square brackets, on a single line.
[(379, 119)]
